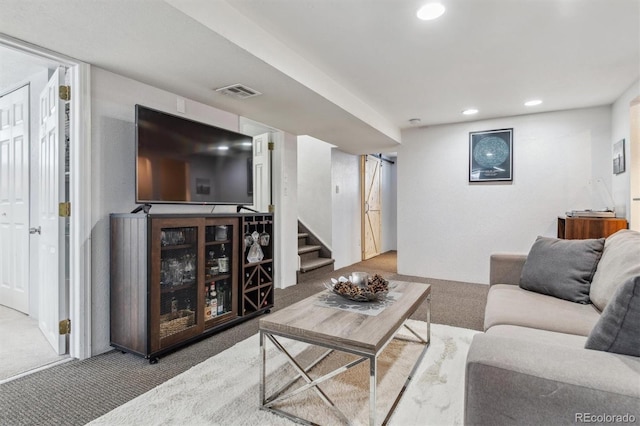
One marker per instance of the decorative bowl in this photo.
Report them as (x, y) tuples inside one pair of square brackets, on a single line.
[(347, 289)]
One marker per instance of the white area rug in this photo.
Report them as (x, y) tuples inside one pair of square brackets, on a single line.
[(224, 390)]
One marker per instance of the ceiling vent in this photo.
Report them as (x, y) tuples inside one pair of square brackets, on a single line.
[(239, 91)]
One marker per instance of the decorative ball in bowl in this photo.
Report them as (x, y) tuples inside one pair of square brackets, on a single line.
[(362, 290)]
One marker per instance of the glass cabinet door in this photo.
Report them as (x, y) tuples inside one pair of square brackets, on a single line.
[(219, 271), (175, 281)]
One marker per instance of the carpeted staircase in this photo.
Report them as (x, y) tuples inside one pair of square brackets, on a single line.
[(315, 257)]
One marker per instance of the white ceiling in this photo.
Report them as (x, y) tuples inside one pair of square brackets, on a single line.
[(350, 72)]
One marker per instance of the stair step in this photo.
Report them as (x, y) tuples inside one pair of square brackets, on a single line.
[(302, 235), (308, 249), (310, 265)]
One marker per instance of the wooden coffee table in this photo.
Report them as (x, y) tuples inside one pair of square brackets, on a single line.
[(341, 330)]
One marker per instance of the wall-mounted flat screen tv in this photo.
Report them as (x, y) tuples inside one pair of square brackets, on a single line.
[(182, 161)]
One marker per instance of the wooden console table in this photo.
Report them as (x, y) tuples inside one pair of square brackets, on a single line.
[(576, 228)]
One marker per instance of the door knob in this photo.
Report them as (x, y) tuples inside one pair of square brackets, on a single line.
[(34, 230)]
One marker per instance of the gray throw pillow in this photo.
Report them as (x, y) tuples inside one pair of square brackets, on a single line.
[(562, 268), (618, 329)]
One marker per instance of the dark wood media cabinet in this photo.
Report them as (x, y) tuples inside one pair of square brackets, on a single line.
[(176, 278), (576, 228)]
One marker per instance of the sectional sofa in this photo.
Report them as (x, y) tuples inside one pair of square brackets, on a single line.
[(562, 336)]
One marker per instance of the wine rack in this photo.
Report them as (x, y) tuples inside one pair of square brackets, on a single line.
[(257, 271)]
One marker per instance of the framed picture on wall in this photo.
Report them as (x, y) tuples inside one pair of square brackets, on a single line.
[(491, 155), (618, 157)]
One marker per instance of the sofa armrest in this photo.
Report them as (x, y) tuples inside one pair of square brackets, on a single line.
[(506, 268), (518, 381)]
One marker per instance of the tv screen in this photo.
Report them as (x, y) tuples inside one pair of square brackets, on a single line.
[(187, 162)]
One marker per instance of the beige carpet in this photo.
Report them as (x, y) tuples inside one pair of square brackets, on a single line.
[(23, 347), (224, 389)]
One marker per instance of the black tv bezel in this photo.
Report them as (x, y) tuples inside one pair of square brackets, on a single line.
[(196, 203)]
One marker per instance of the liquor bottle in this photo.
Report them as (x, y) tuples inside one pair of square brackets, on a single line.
[(223, 261), (227, 295), (207, 305), (213, 301), (212, 267), (221, 300)]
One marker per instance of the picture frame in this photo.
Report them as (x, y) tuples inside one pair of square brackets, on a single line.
[(618, 157), (491, 155)]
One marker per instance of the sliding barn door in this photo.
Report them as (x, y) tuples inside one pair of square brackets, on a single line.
[(371, 206)]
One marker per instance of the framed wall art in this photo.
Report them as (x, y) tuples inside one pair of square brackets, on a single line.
[(618, 157), (491, 155)]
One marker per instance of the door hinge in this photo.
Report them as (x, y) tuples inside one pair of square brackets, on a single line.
[(65, 93), (65, 326), (271, 146), (64, 209)]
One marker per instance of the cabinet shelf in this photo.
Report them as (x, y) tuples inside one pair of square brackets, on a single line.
[(216, 278), (217, 243), (177, 247), (173, 289), (262, 262)]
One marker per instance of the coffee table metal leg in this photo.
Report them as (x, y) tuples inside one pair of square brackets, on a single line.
[(268, 402), (373, 382), (262, 369), (429, 318)]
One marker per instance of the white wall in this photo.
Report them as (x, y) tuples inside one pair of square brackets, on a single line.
[(285, 184), (345, 215), (447, 227), (620, 129), (113, 177), (389, 182), (314, 187), (339, 214)]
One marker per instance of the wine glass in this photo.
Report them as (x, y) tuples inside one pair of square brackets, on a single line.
[(248, 239), (264, 236)]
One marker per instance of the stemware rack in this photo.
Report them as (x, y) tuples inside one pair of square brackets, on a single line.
[(176, 278), (257, 275)]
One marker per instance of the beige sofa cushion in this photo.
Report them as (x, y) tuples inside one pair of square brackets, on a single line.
[(534, 335), (511, 305), (620, 261)]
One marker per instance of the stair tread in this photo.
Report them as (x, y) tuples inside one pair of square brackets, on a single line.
[(308, 249), (302, 235), (311, 264)]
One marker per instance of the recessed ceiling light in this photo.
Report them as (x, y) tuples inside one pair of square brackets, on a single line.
[(533, 102), (414, 121), (430, 11), (470, 111)]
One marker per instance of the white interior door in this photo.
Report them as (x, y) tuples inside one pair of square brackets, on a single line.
[(14, 199), (261, 173), (51, 272)]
